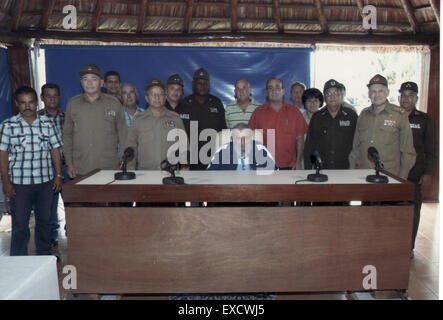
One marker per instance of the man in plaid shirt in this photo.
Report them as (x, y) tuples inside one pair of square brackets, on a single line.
[(29, 145), (50, 95)]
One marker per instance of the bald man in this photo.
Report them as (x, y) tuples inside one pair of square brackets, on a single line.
[(240, 110)]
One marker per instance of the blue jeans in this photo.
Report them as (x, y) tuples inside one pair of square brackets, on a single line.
[(39, 197)]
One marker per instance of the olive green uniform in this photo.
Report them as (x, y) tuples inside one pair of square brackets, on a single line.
[(92, 133), (389, 132), (148, 137)]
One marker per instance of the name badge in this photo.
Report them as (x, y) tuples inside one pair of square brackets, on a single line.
[(390, 123), (345, 123), (415, 125), (213, 109), (184, 116)]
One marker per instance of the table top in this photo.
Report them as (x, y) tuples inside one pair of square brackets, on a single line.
[(143, 177), (28, 277), (99, 186)]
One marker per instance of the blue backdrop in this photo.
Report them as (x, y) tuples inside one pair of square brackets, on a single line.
[(5, 87), (138, 65)]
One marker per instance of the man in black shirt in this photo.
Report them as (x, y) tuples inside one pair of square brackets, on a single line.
[(174, 93), (331, 130), (425, 145), (201, 111)]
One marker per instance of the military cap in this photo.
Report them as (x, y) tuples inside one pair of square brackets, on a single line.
[(378, 79), (155, 83), (201, 74), (175, 79), (331, 84), (409, 86), (91, 68)]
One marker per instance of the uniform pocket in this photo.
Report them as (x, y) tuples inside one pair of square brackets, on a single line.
[(364, 134), (389, 135)]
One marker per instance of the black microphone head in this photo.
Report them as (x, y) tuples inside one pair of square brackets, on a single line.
[(316, 154), (165, 165), (316, 158), (129, 152), (372, 151)]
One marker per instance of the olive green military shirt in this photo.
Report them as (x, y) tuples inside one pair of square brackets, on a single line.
[(148, 136), (92, 133), (389, 132)]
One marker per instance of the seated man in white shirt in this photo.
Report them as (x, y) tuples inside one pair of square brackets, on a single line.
[(242, 153)]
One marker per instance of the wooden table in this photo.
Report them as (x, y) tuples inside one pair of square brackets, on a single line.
[(247, 247)]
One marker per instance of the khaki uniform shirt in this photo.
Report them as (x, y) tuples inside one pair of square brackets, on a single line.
[(389, 132), (92, 133), (148, 137)]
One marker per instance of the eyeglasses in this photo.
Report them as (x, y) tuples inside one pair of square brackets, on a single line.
[(157, 95)]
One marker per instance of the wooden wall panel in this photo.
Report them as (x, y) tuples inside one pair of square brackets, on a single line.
[(431, 193), (19, 69)]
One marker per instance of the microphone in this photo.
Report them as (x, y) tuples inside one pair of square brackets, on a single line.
[(373, 153), (316, 159), (128, 154), (317, 176), (171, 168), (376, 178)]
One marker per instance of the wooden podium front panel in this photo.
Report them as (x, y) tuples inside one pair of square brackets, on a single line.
[(248, 249)]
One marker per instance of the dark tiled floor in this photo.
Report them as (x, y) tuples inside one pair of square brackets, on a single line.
[(424, 270)]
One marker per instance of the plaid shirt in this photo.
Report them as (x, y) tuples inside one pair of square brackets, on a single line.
[(29, 148), (59, 119), (130, 118)]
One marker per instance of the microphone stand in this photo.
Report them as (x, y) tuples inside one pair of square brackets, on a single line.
[(377, 178), (172, 179), (317, 176), (124, 175)]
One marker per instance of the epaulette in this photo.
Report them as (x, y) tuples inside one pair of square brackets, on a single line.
[(173, 113), (396, 108)]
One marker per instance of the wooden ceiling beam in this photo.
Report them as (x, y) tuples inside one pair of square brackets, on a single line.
[(234, 16), (17, 14), (47, 14), (363, 39), (409, 10), (97, 12), (321, 16), (360, 6), (277, 15), (188, 16), (142, 16), (435, 5)]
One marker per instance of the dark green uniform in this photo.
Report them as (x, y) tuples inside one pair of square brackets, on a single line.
[(148, 136), (210, 115), (389, 132), (425, 144), (92, 133), (332, 137)]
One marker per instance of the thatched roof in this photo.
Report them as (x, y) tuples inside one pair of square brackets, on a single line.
[(136, 20)]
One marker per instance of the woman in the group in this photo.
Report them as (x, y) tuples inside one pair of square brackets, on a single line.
[(312, 100)]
